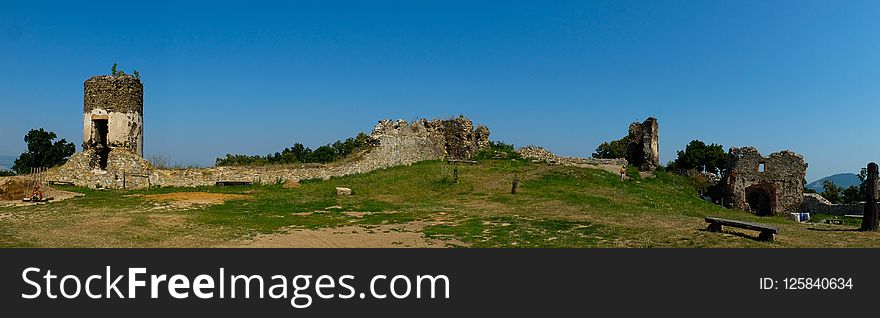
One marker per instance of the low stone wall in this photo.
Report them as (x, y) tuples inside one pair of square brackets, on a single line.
[(816, 204), (539, 154), (397, 143)]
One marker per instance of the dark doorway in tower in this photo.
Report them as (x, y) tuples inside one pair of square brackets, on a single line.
[(760, 199), (101, 147)]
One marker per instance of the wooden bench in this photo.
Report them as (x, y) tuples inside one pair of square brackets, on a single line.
[(232, 183), (767, 232)]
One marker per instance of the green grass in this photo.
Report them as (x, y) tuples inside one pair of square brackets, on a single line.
[(553, 207), (847, 221), (520, 232)]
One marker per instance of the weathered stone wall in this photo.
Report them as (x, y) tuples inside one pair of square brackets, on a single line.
[(643, 147), (396, 143), (120, 101), (124, 170), (816, 204), (539, 154), (778, 189)]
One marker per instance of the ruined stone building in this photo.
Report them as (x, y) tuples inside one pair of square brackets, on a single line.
[(113, 109), (451, 138), (764, 185), (643, 147)]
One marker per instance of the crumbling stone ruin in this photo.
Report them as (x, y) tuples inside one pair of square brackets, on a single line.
[(113, 146), (395, 143), (816, 204), (113, 108), (643, 148), (452, 138), (771, 185), (539, 154)]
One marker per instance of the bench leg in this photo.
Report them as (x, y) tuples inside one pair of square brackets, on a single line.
[(765, 236), (714, 227)]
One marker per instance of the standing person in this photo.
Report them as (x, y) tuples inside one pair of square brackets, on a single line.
[(622, 172)]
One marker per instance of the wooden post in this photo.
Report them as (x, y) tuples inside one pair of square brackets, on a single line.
[(869, 218), (515, 183)]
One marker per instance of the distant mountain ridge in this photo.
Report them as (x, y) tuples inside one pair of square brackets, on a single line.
[(843, 180)]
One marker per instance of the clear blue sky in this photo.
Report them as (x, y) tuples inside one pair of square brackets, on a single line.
[(254, 77)]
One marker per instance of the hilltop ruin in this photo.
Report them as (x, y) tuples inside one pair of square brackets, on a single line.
[(643, 147), (113, 146), (113, 117), (770, 185)]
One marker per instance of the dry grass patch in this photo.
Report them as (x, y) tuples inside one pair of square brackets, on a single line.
[(184, 199), (406, 235)]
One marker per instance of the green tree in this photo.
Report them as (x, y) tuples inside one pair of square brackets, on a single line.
[(831, 191), (611, 150), (851, 195), (863, 183), (302, 154), (42, 151), (323, 154), (697, 155)]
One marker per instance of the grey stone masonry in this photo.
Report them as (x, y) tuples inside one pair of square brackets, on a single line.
[(113, 115), (643, 148), (764, 185), (395, 143)]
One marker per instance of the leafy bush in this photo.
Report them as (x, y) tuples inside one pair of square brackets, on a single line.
[(7, 173), (698, 155), (117, 72), (497, 150), (611, 150)]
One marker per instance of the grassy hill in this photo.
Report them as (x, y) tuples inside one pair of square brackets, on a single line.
[(554, 207)]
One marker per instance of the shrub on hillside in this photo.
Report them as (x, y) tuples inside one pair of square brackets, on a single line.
[(497, 150)]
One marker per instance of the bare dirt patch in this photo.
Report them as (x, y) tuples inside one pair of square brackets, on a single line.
[(186, 199), (351, 236), (13, 189)]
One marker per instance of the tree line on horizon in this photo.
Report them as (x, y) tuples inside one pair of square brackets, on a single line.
[(299, 153)]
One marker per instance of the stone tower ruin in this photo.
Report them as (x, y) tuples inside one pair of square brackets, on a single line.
[(113, 108), (643, 147)]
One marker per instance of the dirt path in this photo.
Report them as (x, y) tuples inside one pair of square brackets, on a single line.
[(183, 200), (351, 236), (56, 195)]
